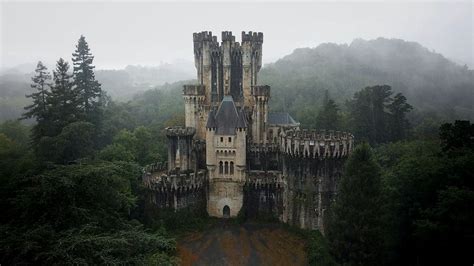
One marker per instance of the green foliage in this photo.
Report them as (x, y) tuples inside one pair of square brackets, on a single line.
[(116, 152), (140, 144), (317, 246), (78, 214), (39, 107), (377, 117), (428, 195), (457, 136), (16, 131), (329, 116), (318, 250), (63, 99), (86, 86), (75, 141), (398, 123), (354, 229), (299, 80)]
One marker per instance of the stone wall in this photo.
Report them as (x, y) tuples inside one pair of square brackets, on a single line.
[(175, 191), (264, 195), (224, 192), (310, 188)]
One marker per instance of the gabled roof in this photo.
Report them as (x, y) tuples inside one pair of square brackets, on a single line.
[(281, 119), (226, 118)]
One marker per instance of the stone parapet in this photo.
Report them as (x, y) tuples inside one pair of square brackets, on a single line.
[(194, 90), (316, 144), (257, 178), (180, 131), (165, 182), (261, 90), (252, 37)]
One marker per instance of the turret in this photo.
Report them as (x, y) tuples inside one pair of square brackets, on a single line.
[(180, 145), (251, 63), (206, 60), (261, 96)]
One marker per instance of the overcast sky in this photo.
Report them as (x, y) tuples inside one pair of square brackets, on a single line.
[(148, 33)]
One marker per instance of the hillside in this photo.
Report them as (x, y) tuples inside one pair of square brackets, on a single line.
[(434, 85), (121, 84), (431, 82)]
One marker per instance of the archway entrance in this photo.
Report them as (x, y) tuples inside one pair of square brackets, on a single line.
[(226, 212)]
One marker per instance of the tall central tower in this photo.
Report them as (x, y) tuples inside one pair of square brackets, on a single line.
[(223, 69)]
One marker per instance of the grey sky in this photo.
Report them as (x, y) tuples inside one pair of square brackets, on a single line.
[(147, 33)]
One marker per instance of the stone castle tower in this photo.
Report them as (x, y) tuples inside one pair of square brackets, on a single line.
[(233, 155)]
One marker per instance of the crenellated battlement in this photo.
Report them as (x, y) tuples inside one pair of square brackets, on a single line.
[(256, 179), (316, 144), (181, 181), (252, 37), (203, 36), (180, 131), (261, 90), (194, 90), (228, 37)]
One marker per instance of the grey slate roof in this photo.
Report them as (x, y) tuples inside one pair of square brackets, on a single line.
[(226, 118), (281, 119)]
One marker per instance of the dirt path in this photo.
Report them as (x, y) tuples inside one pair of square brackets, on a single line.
[(248, 244)]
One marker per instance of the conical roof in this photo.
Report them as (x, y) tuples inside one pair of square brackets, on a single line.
[(226, 118)]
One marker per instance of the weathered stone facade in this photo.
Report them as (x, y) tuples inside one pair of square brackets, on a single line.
[(234, 155)]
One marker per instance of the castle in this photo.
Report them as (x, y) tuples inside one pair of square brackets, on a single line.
[(234, 155)]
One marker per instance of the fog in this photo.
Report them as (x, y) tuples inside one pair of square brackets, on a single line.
[(147, 33)]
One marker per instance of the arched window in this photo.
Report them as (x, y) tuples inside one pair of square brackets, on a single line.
[(221, 168), (226, 168), (231, 168), (225, 153)]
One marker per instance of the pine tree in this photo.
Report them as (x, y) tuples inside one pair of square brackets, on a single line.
[(87, 87), (399, 123), (328, 117), (355, 222), (63, 98), (39, 109), (370, 118)]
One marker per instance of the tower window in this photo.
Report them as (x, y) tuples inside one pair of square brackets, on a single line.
[(226, 168), (221, 167), (231, 168), (230, 139), (222, 139)]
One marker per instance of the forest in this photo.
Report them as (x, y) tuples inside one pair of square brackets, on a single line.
[(70, 178)]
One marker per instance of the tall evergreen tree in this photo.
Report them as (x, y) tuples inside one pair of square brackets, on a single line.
[(88, 88), (399, 125), (328, 116), (355, 223), (369, 113), (63, 99), (39, 108)]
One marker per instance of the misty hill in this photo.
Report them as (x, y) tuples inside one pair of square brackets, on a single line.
[(124, 83), (121, 84), (431, 82), (14, 85)]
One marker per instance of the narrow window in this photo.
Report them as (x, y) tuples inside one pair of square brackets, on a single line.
[(226, 168), (230, 139), (222, 139), (231, 168), (221, 170)]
